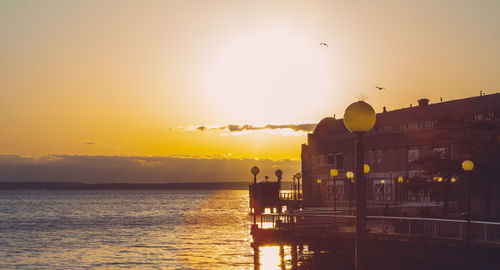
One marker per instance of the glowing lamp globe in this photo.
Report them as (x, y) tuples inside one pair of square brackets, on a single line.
[(334, 172), (359, 117), (453, 179), (319, 181), (366, 168), (400, 179), (468, 165), (255, 170), (349, 174), (298, 176)]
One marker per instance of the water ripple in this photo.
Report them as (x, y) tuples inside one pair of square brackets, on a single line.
[(124, 229)]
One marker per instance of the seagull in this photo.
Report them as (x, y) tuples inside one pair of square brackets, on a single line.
[(323, 44), (379, 88)]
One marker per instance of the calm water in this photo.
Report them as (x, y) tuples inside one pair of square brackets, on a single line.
[(127, 229), (140, 230)]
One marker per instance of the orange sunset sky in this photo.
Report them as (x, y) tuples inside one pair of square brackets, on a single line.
[(138, 78)]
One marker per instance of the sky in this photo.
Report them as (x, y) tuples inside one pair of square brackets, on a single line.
[(223, 80)]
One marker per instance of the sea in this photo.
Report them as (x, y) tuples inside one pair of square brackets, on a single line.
[(163, 229)]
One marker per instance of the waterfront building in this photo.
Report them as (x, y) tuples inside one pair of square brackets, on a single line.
[(393, 148)]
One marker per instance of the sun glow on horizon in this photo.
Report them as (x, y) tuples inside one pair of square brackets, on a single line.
[(77, 79)]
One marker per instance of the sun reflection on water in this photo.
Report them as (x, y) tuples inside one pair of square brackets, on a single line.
[(269, 258), (278, 257)]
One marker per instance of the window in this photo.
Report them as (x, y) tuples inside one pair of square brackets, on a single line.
[(413, 125), (478, 117), (379, 156), (440, 151), (321, 160), (318, 160), (413, 154), (370, 157), (384, 129), (324, 160), (339, 159), (331, 159)]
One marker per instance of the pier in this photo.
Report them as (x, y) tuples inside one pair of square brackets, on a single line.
[(442, 242), (393, 242)]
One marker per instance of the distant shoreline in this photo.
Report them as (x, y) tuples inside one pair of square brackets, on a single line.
[(123, 186)]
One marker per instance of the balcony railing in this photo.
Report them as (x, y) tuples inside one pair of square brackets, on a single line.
[(428, 228)]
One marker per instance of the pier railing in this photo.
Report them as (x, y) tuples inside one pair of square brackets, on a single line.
[(289, 196), (449, 229)]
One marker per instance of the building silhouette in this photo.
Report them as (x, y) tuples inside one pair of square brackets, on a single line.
[(393, 149)]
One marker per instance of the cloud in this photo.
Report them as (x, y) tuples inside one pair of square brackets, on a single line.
[(138, 169), (90, 143), (299, 127), (308, 127)]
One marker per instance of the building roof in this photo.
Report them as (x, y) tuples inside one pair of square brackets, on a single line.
[(329, 125), (436, 111), (423, 112)]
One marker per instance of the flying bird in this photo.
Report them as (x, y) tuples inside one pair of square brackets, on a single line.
[(323, 44), (379, 88)]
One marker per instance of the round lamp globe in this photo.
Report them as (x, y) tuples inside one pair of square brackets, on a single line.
[(359, 117)]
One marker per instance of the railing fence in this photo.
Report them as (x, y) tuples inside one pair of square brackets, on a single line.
[(404, 226)]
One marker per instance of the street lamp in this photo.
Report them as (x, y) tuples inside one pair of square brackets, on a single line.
[(400, 184), (366, 168), (360, 118), (255, 170), (319, 181), (279, 174), (350, 176), (382, 182), (298, 176), (333, 174), (468, 166)]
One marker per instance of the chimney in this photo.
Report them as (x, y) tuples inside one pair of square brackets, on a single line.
[(423, 102)]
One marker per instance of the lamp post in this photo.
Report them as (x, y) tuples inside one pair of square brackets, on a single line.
[(319, 181), (333, 174), (294, 188), (400, 184), (360, 118), (383, 189), (255, 170), (350, 176), (468, 165), (298, 176), (366, 170), (279, 174)]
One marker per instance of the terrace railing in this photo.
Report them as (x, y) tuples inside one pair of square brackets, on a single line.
[(428, 228)]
